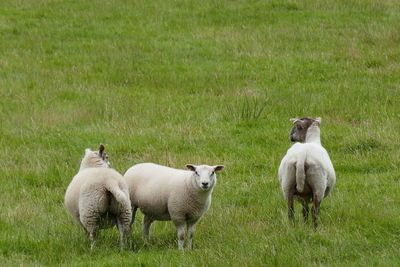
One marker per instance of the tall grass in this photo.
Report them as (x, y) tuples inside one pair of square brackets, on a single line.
[(246, 109)]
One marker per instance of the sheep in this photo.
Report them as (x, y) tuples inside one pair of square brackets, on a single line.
[(164, 194), (306, 172), (98, 197)]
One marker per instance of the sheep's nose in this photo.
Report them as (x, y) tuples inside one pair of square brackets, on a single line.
[(205, 185)]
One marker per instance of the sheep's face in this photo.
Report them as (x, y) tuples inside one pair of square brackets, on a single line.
[(204, 175), (299, 129)]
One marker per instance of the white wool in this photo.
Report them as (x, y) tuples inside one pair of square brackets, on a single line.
[(164, 193), (98, 197), (306, 170)]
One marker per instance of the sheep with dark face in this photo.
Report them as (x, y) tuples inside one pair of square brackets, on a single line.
[(306, 172), (98, 197)]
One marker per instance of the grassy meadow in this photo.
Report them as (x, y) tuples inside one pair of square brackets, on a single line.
[(202, 82)]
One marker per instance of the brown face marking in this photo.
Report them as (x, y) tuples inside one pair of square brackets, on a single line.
[(299, 130)]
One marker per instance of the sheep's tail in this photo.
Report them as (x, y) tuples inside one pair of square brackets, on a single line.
[(121, 195), (300, 172)]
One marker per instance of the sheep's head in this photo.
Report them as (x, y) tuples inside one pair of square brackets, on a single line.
[(300, 128), (95, 158), (204, 175)]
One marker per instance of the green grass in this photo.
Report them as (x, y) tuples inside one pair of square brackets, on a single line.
[(212, 82)]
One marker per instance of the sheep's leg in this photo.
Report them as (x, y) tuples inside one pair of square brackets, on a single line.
[(90, 221), (180, 228), (121, 235), (86, 232), (290, 200), (315, 210), (124, 233), (189, 235), (91, 229), (92, 238), (134, 209), (90, 213), (147, 221), (305, 210)]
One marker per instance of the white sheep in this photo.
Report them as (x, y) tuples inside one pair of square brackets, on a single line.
[(98, 197), (306, 172), (164, 194)]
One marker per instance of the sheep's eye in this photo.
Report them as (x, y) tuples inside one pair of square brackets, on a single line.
[(196, 172), (212, 173)]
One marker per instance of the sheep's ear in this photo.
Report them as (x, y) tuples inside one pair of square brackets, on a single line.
[(294, 120), (191, 167), (101, 149), (218, 168), (87, 151)]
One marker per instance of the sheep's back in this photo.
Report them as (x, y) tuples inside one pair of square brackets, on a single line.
[(93, 177), (315, 155), (318, 156), (89, 179), (151, 185)]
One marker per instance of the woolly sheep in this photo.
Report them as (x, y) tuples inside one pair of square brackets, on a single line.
[(164, 194), (98, 197), (306, 172)]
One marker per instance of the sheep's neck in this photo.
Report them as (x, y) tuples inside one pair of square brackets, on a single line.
[(313, 135), (90, 162)]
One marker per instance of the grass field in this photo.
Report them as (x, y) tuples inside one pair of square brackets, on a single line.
[(212, 82)]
